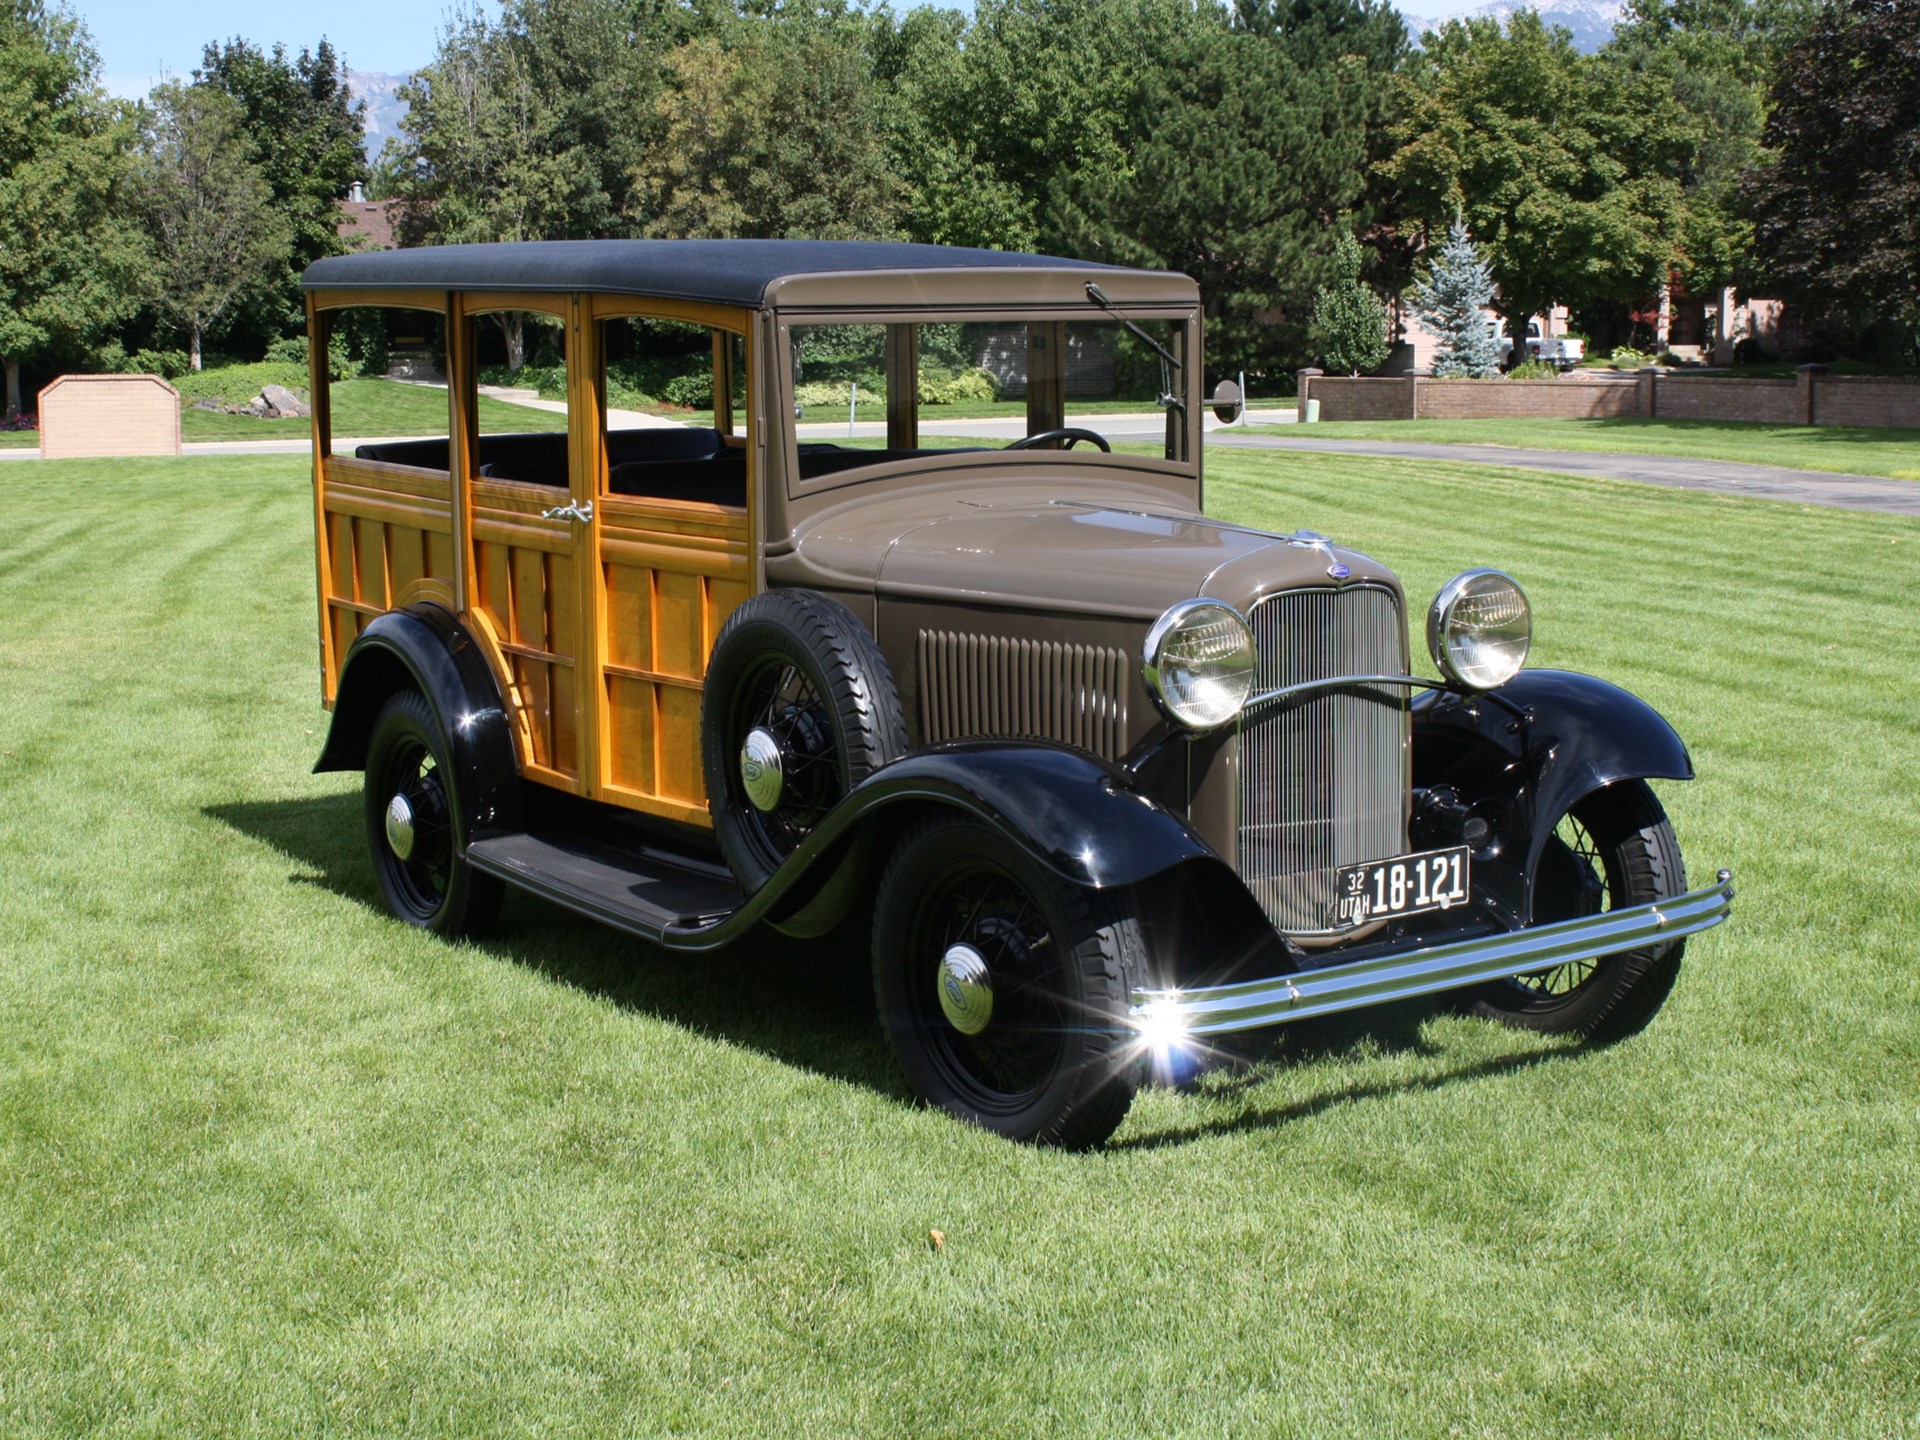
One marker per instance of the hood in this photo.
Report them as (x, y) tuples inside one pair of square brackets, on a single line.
[(1102, 559)]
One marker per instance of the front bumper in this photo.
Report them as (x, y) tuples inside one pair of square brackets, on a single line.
[(1403, 973)]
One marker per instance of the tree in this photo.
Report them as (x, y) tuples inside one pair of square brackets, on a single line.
[(1249, 146), (771, 132), (70, 263), (304, 131), (1453, 301), (1564, 166), (1837, 213), (992, 120), (209, 210), (1717, 59), (1349, 327)]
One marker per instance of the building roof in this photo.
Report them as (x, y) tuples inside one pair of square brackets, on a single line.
[(365, 221), (726, 272)]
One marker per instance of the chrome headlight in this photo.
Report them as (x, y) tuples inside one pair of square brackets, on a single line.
[(1480, 628), (1199, 663)]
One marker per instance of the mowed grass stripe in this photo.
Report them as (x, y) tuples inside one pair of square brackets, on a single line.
[(277, 1164)]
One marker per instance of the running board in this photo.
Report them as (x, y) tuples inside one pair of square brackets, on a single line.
[(1402, 974), (641, 890)]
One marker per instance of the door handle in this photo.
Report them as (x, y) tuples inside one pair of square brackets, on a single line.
[(570, 511)]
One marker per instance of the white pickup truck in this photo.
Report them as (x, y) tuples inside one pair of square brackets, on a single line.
[(1562, 351)]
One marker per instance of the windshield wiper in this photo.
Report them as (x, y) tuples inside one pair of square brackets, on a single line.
[(1169, 366)]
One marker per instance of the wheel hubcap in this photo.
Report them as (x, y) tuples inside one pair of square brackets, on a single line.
[(400, 832), (965, 986), (762, 769)]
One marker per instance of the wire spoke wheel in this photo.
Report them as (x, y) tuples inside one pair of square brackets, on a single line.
[(799, 708), (1596, 898), (1615, 849), (1004, 987)]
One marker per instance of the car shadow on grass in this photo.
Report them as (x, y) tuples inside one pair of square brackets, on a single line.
[(809, 1003)]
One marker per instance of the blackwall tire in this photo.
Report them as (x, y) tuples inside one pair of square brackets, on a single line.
[(1613, 850), (413, 804), (800, 672), (1044, 1054)]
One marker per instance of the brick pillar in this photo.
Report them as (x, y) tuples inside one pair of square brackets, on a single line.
[(1649, 384), (1808, 381), (1302, 379)]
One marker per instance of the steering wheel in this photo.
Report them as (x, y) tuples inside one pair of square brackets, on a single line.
[(1071, 434)]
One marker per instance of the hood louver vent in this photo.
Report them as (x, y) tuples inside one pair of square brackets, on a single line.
[(990, 687)]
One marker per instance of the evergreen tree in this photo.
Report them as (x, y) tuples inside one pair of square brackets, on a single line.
[(1453, 302), (1246, 142), (1349, 328)]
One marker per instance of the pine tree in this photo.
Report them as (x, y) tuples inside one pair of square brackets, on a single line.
[(1349, 328), (1453, 302)]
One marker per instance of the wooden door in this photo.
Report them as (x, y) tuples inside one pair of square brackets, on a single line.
[(528, 528), (667, 573)]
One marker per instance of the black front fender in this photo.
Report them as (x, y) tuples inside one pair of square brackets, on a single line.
[(1534, 748), (1070, 811), (424, 648)]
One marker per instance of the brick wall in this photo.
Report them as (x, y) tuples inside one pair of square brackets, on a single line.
[(1518, 399), (109, 415), (1863, 400), (1342, 397), (1812, 397), (1714, 397)]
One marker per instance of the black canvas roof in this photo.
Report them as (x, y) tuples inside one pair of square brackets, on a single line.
[(727, 272)]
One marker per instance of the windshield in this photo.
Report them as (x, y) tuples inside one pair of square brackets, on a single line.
[(866, 394)]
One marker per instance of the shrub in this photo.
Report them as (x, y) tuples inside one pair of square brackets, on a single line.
[(237, 384), (1749, 351), (1534, 370), (167, 364), (832, 392), (957, 387), (287, 350), (1625, 357), (694, 391)]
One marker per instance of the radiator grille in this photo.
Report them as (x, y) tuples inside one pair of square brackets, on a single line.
[(991, 686), (1323, 782)]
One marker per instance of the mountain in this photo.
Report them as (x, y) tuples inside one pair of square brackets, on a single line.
[(1591, 21), (385, 109)]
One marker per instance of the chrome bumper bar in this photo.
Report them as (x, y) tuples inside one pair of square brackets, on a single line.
[(1402, 974)]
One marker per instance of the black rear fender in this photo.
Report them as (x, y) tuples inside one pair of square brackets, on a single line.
[(424, 648)]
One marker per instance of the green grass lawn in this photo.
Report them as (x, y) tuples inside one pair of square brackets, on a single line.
[(1852, 449), (278, 1165), (369, 407)]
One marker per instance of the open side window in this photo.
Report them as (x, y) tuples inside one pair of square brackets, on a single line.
[(519, 359), (697, 374), (383, 484)]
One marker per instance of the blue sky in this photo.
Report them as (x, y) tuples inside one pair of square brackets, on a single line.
[(139, 40)]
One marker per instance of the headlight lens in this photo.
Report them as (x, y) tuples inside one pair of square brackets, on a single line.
[(1199, 663), (1480, 628)]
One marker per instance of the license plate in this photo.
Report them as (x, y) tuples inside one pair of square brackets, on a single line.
[(1403, 885)]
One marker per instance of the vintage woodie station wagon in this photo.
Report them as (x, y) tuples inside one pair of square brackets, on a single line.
[(1103, 776)]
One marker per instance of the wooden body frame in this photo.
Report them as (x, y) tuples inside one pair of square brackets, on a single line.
[(597, 631)]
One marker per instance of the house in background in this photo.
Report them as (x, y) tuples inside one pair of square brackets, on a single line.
[(364, 224), (1415, 347)]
